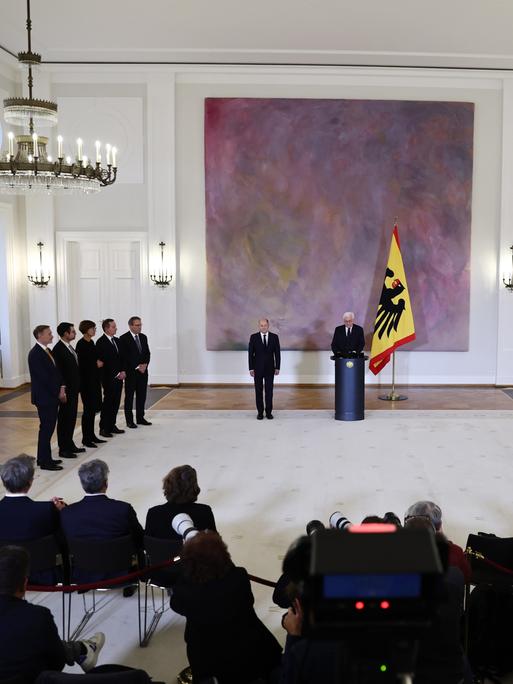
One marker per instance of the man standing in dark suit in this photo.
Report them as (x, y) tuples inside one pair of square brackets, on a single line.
[(67, 363), (348, 338), (264, 363), (97, 516), (113, 374), (47, 389), (136, 357)]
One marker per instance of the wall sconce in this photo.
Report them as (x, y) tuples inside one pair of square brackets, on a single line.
[(162, 278), (508, 284), (39, 279)]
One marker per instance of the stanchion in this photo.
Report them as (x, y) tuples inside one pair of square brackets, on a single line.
[(392, 396)]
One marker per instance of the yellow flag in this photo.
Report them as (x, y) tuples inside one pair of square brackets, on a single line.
[(394, 324)]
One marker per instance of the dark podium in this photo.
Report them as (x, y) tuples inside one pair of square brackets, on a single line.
[(349, 388)]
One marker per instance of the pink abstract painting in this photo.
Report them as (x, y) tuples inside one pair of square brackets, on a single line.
[(301, 197)]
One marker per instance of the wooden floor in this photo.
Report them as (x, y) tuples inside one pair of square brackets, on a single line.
[(19, 423)]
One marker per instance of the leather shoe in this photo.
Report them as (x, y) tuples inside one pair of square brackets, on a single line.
[(143, 421), (77, 450), (128, 591), (90, 445), (98, 441), (51, 466), (117, 431), (67, 454), (131, 425), (104, 433), (260, 416), (269, 416)]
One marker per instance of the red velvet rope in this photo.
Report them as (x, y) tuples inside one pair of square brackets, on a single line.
[(123, 579), (473, 555)]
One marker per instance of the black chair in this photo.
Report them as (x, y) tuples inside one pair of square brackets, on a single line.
[(101, 558), (157, 551), (490, 558), (49, 565)]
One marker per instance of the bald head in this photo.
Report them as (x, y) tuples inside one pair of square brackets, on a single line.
[(263, 325)]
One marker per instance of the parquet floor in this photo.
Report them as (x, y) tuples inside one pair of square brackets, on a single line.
[(18, 419)]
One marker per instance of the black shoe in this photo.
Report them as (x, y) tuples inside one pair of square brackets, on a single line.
[(128, 591), (90, 445), (104, 433), (67, 454), (116, 431), (56, 461), (77, 450), (98, 441), (131, 425), (51, 466), (260, 416), (269, 416), (143, 421)]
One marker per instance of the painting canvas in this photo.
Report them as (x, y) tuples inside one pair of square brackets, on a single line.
[(301, 198)]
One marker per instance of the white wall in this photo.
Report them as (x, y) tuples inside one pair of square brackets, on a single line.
[(158, 112)]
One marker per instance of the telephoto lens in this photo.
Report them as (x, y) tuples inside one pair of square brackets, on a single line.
[(182, 524), (314, 526), (339, 522)]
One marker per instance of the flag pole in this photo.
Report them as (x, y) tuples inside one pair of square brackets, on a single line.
[(392, 396)]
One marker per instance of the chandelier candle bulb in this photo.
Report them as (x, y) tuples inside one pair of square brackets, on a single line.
[(11, 144), (84, 161), (59, 146), (79, 149), (114, 153), (98, 153), (108, 149), (35, 149)]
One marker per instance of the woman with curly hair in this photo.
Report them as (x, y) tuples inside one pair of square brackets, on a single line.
[(224, 636)]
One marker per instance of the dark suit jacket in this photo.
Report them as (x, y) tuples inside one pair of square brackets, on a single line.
[(342, 343), (224, 636), (45, 378), (130, 353), (158, 519), (112, 359), (22, 519), (99, 517), (264, 360), (68, 367), (29, 641)]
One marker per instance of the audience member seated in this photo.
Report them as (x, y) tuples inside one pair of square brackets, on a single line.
[(29, 641), (224, 636), (97, 516), (433, 512), (21, 518), (181, 491)]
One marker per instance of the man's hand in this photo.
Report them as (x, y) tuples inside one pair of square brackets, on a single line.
[(142, 367), (292, 621), (99, 363), (276, 371), (252, 373), (121, 375), (58, 503), (62, 395)]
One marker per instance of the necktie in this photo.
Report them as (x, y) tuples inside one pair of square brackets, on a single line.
[(114, 345), (265, 339), (138, 343), (348, 330), (73, 352), (50, 355)]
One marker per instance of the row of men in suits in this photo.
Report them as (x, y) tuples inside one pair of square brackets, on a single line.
[(264, 357), (59, 375)]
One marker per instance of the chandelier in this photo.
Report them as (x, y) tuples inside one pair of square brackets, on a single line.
[(26, 167)]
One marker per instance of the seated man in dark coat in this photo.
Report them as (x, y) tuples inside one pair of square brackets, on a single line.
[(21, 518), (97, 516), (29, 641)]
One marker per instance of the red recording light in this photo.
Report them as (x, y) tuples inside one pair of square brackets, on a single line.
[(359, 605), (384, 605)]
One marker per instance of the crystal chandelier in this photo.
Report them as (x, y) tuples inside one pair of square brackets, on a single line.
[(25, 167)]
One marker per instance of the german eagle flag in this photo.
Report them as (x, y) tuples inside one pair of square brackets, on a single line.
[(394, 320)]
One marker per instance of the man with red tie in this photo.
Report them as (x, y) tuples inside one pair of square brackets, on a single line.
[(47, 390)]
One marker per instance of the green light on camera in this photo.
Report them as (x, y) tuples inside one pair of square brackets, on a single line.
[(383, 668)]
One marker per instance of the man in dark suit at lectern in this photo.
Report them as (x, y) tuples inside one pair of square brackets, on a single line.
[(349, 337), (136, 357), (264, 363)]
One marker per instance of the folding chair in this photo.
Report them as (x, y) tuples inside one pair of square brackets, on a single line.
[(157, 551), (108, 558)]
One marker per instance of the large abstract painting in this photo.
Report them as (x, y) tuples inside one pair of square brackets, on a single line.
[(301, 198)]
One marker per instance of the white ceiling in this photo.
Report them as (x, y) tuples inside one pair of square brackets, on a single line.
[(473, 33)]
